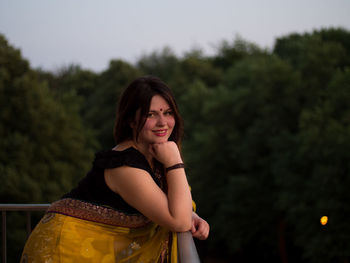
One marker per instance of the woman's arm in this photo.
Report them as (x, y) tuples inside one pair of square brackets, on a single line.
[(172, 210)]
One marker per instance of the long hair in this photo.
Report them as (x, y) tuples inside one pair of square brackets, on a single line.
[(138, 96)]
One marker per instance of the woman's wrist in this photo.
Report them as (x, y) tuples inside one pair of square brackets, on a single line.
[(175, 166), (172, 161)]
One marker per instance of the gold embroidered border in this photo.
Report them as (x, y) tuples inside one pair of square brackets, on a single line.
[(96, 213)]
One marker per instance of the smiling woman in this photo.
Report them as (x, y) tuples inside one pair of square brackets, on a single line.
[(147, 98), (135, 198), (158, 123)]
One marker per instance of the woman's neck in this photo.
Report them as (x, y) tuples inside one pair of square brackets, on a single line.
[(142, 148)]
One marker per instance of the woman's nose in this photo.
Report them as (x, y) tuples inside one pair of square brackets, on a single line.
[(161, 120)]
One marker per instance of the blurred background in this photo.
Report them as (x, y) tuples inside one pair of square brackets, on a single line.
[(263, 87)]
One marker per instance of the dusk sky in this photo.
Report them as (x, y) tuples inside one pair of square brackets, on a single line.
[(56, 33)]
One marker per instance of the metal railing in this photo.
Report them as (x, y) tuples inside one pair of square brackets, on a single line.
[(28, 208), (187, 251)]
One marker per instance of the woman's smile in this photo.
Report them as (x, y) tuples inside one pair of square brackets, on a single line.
[(160, 132), (159, 123)]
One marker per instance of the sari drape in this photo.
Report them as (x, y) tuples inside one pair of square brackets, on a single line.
[(103, 236)]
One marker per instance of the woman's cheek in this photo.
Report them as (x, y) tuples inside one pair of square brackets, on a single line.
[(171, 122), (149, 124)]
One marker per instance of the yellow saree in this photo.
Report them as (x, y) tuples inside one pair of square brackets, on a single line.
[(75, 231)]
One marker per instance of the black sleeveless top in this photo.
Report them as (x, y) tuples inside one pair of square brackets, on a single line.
[(93, 188)]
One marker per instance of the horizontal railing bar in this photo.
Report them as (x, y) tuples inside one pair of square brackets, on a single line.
[(24, 207), (17, 207)]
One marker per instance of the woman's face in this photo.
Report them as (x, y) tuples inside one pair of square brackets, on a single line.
[(159, 123)]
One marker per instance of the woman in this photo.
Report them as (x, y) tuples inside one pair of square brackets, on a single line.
[(135, 198)]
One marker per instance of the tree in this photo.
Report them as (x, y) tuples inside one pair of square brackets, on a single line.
[(255, 104), (318, 174), (101, 104), (316, 55), (230, 53), (44, 148), (161, 64)]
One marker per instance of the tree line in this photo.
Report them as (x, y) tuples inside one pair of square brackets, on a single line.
[(267, 139)]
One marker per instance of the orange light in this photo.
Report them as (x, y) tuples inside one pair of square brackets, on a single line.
[(324, 220)]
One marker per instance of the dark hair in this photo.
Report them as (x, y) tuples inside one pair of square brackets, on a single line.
[(138, 96)]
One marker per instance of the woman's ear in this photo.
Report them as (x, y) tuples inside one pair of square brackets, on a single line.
[(134, 121), (132, 124)]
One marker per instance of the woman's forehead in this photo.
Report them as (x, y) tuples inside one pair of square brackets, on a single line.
[(158, 103)]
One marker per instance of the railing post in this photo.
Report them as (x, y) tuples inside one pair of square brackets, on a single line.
[(4, 256), (187, 251), (29, 224)]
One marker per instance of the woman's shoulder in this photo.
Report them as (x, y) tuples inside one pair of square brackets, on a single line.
[(108, 159)]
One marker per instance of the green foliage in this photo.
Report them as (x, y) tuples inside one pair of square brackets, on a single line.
[(161, 64), (92, 96), (194, 66), (72, 86), (101, 105), (317, 56), (44, 146), (11, 63), (266, 138), (320, 172), (230, 53), (242, 116), (314, 170)]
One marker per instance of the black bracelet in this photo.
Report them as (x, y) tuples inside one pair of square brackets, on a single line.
[(176, 166)]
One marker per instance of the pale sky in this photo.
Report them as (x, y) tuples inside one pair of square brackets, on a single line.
[(56, 33)]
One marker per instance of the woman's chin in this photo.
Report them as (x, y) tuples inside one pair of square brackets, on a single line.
[(161, 139)]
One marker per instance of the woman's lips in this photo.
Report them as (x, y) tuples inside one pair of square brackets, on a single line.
[(160, 133)]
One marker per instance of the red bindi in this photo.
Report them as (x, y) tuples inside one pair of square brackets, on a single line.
[(161, 109)]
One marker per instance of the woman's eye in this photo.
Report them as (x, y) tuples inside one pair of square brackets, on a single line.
[(168, 113), (150, 114)]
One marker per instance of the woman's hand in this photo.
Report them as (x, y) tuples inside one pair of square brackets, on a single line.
[(200, 227), (167, 153)]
